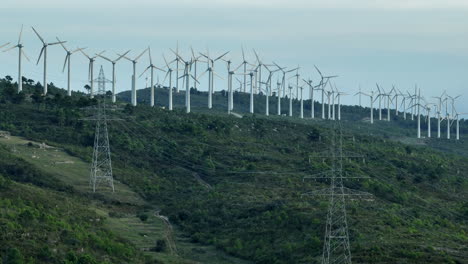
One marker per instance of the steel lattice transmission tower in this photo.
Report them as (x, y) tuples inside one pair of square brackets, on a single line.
[(101, 167), (336, 248)]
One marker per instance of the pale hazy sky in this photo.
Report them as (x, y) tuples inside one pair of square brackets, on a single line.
[(364, 41)]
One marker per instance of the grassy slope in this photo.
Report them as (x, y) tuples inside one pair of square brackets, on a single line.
[(121, 205)]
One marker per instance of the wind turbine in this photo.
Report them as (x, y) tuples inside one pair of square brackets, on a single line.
[(283, 84), (312, 88), (297, 81), (134, 62), (372, 100), (244, 63), (113, 71), (187, 75), (428, 109), (20, 53), (91, 69), (230, 88), (44, 50), (441, 100), (211, 74), (458, 123), (338, 97), (268, 88), (169, 73), (195, 59), (68, 59), (449, 123), (380, 95), (151, 67), (323, 82), (418, 111)]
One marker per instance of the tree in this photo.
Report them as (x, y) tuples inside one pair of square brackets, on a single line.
[(8, 78), (14, 256), (87, 88)]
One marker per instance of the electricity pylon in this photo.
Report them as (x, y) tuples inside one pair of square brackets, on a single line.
[(336, 248), (101, 167)]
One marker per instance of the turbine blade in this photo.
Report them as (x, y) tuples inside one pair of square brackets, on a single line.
[(55, 43), (107, 59), (167, 64), (144, 71), (20, 35), (26, 56), (217, 75), (243, 54), (40, 54), (121, 56), (61, 43), (65, 63), (221, 56), (318, 71), (39, 36), (84, 53), (141, 54), (8, 48), (198, 78), (165, 77)]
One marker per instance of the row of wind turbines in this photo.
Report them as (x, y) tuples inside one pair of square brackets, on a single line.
[(287, 87)]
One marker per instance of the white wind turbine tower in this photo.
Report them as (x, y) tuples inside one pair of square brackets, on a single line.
[(395, 97), (186, 76), (134, 62), (195, 60), (323, 83), (259, 67), (458, 123), (91, 69), (283, 84), (268, 89), (452, 115), (230, 89), (403, 104), (251, 74), (211, 74), (244, 63), (113, 71), (177, 67), (312, 88), (151, 67), (372, 100), (44, 50), (68, 59), (389, 102), (297, 81), (290, 99), (428, 109), (169, 73), (279, 87), (412, 99), (338, 97), (418, 111), (380, 95), (20, 54), (441, 101), (302, 102)]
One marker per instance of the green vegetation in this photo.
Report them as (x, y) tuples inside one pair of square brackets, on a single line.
[(202, 170)]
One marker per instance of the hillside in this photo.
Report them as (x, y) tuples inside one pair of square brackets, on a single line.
[(237, 183)]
